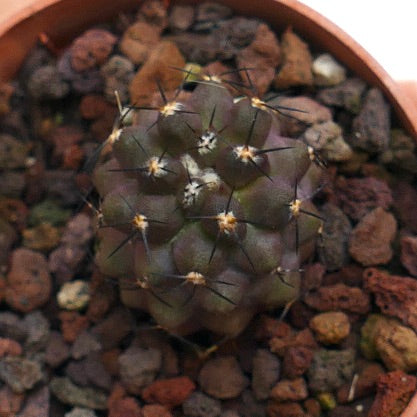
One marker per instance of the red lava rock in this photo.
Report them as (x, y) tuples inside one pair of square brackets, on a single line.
[(72, 157), (170, 392), (300, 314), (91, 49), (139, 40), (409, 254), (125, 407), (339, 297), (370, 241), (164, 55), (28, 281), (14, 211), (6, 92), (313, 407), (222, 378), (364, 386), (372, 126), (265, 373), (297, 62), (10, 402), (312, 277), (289, 409), (290, 390), (154, 12), (180, 19), (395, 296), (8, 237), (155, 410), (305, 338), (267, 328), (9, 347), (405, 203), (350, 275), (110, 360), (358, 196), (264, 55), (72, 324), (297, 360), (394, 391)]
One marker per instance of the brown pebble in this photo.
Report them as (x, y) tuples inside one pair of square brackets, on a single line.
[(9, 347), (139, 40), (405, 203), (10, 402), (91, 49), (394, 391), (297, 62), (304, 338), (289, 409), (297, 360), (72, 324), (313, 407), (222, 378), (331, 327), (155, 410), (409, 254), (290, 390), (43, 237), (264, 55), (170, 392), (28, 281), (164, 55)]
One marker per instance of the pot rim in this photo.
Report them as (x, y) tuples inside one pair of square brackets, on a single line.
[(21, 30)]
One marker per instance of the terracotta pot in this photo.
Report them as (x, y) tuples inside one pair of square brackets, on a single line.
[(22, 21)]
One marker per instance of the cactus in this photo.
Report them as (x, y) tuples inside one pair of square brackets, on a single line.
[(206, 212)]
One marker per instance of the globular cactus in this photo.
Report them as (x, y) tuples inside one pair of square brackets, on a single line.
[(206, 213)]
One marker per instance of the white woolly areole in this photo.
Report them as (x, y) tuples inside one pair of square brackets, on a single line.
[(210, 178), (207, 142), (246, 154), (191, 165), (155, 167), (191, 192)]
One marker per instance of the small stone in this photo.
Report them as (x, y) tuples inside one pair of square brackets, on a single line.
[(43, 237), (212, 12), (6, 92), (120, 405), (85, 344), (222, 378), (155, 410), (60, 185), (326, 400), (48, 211), (371, 128), (367, 377), (264, 55), (117, 72), (290, 390), (157, 66), (339, 297), (370, 241), (12, 184), (139, 367), (9, 347), (37, 330), (28, 280), (297, 62), (10, 402), (91, 49), (20, 374), (310, 112), (280, 344), (327, 71), (170, 392), (394, 391), (248, 406), (65, 261), (389, 340), (312, 407), (47, 83), (405, 203), (80, 412), (96, 373), (8, 237), (297, 359), (57, 351), (139, 40), (76, 371), (333, 245), (199, 404), (288, 409), (358, 196), (72, 324), (330, 328), (409, 254), (36, 404), (401, 152), (12, 327), (13, 152), (348, 95), (395, 295), (74, 295), (328, 139), (330, 369), (265, 373), (154, 12), (181, 18), (71, 394)]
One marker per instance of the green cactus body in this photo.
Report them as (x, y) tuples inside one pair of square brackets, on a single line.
[(207, 213)]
